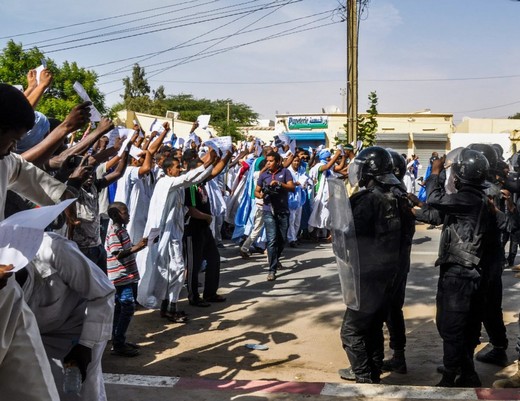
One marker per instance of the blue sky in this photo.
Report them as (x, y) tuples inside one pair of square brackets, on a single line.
[(450, 56)]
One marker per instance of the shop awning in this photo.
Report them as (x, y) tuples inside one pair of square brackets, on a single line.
[(431, 137), (398, 137), (308, 136)]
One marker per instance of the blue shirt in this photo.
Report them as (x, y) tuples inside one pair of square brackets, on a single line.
[(276, 202)]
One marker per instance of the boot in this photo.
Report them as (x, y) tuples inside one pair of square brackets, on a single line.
[(512, 382), (470, 380), (448, 380), (347, 374), (396, 364), (164, 308), (497, 356)]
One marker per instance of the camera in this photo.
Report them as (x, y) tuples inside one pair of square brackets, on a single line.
[(270, 190)]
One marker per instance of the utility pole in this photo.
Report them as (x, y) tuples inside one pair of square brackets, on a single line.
[(227, 118), (352, 70)]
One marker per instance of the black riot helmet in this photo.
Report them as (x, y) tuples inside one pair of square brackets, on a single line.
[(376, 163), (399, 164), (499, 150), (489, 153), (471, 167)]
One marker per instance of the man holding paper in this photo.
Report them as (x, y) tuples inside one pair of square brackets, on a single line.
[(19, 334)]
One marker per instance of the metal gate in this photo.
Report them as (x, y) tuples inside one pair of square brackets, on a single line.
[(423, 147)]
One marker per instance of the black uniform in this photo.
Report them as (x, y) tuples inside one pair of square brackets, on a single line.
[(468, 241), (378, 232), (395, 318)]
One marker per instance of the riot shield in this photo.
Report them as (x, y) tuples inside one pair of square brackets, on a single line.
[(451, 158), (344, 243)]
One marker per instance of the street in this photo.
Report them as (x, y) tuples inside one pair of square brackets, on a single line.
[(298, 318)]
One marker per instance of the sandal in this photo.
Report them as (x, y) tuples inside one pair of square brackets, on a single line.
[(178, 317)]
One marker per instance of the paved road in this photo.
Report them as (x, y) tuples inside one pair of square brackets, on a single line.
[(298, 318)]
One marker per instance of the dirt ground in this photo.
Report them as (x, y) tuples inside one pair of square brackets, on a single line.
[(298, 317)]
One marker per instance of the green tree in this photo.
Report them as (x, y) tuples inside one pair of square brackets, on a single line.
[(137, 85), (367, 126), (61, 97), (137, 98), (514, 116)]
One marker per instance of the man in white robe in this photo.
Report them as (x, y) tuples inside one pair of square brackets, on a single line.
[(161, 265), (73, 301)]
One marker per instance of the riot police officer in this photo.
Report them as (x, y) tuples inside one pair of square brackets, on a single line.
[(469, 238), (395, 319), (378, 232)]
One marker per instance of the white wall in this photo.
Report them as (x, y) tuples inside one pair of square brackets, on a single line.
[(464, 139)]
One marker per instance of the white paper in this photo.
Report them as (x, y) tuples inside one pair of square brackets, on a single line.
[(178, 144), (95, 115), (153, 234), (284, 138), (222, 143), (156, 127), (135, 152), (203, 120), (123, 146), (292, 146), (22, 233), (38, 73)]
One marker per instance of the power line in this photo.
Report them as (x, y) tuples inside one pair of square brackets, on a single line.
[(95, 20), (237, 46), (181, 45), (140, 19), (197, 18), (487, 108), (215, 52)]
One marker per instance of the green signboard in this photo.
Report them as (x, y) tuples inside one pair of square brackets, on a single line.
[(308, 122)]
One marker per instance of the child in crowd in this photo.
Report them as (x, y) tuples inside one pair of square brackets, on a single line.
[(122, 271)]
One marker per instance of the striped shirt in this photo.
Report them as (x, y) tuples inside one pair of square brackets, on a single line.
[(120, 271)]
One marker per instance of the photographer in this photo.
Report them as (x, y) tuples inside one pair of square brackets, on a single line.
[(273, 187)]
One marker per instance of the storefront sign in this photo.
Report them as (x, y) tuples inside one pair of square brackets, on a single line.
[(308, 122)]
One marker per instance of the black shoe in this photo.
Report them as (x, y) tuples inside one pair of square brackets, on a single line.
[(448, 380), (397, 365), (366, 380), (497, 356), (200, 303), (293, 244), (347, 374), (125, 350), (470, 380), (430, 227)]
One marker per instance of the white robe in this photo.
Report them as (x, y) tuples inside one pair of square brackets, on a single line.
[(138, 205), (161, 264), (320, 215), (73, 301), (25, 372)]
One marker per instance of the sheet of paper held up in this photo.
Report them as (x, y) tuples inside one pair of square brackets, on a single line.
[(22, 233), (153, 234), (222, 143), (203, 120), (135, 152), (40, 69), (95, 115)]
